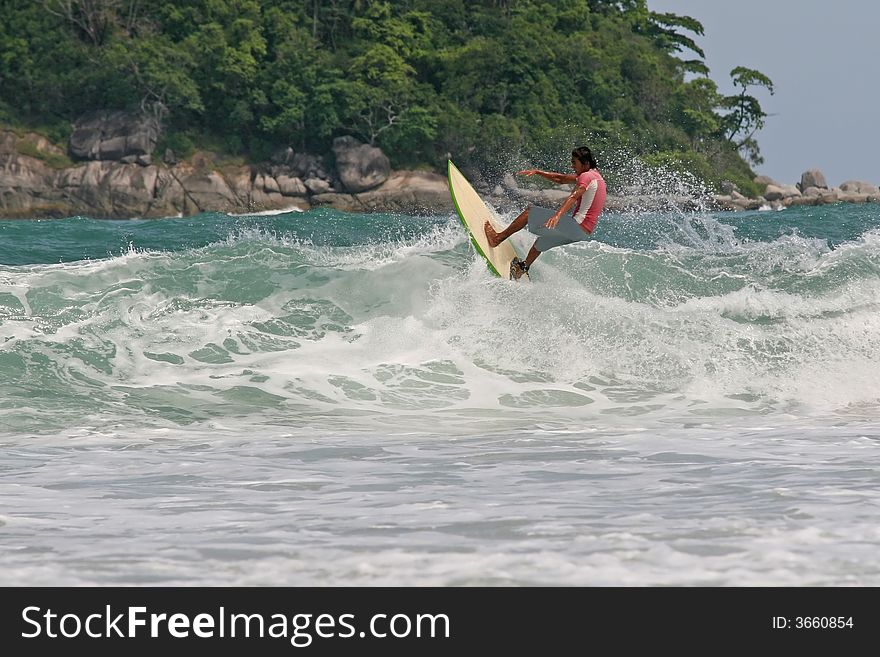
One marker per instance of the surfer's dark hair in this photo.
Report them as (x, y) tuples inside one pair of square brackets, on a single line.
[(585, 156)]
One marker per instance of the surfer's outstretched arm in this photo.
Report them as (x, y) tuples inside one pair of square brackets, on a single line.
[(558, 178)]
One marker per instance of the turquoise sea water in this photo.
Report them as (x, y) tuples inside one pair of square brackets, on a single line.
[(324, 398)]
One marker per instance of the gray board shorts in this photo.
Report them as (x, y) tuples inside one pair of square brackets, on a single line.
[(566, 231)]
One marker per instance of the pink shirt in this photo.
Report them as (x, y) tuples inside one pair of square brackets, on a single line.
[(592, 201)]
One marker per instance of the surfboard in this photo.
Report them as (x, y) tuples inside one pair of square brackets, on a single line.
[(474, 213)]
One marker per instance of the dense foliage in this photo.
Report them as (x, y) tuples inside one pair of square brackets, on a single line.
[(477, 79)]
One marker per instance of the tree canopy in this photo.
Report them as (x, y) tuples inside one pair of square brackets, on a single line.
[(423, 79)]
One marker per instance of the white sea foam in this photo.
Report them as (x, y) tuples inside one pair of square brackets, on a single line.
[(265, 410), (268, 213)]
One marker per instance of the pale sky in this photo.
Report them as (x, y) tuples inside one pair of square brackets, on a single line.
[(822, 57)]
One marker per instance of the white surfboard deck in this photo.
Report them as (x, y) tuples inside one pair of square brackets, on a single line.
[(474, 213)]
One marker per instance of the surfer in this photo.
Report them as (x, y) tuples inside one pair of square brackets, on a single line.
[(553, 228)]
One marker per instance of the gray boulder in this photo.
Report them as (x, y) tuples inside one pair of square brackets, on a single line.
[(813, 178), (306, 166), (113, 135), (859, 187), (795, 201), (240, 183), (780, 192), (266, 183), (765, 180), (821, 195), (317, 185), (207, 191), (89, 186), (130, 189), (360, 166), (404, 191), (27, 184), (290, 186), (773, 193), (724, 202), (852, 197)]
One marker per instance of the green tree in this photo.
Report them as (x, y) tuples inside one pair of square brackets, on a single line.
[(745, 115), (93, 20), (160, 74), (424, 79), (697, 101), (382, 98), (662, 27)]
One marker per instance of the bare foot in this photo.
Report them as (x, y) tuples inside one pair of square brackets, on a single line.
[(493, 237)]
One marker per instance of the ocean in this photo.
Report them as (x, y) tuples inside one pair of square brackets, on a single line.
[(323, 399)]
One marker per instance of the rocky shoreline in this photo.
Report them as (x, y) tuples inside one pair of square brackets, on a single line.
[(33, 185), (811, 190), (115, 176)]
